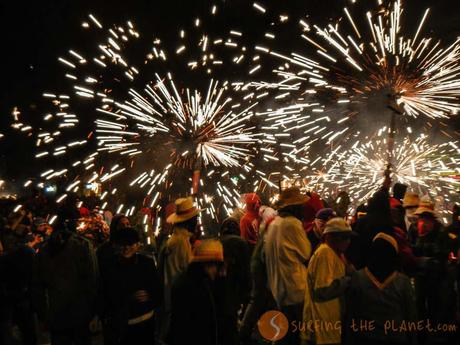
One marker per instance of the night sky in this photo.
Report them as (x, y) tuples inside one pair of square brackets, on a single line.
[(35, 33)]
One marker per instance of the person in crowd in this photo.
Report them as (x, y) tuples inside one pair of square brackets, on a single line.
[(106, 254), (315, 231), (397, 210), (65, 287), (311, 207), (410, 204), (399, 191), (17, 275), (287, 251), (341, 204), (434, 283), (107, 215), (237, 261), (132, 294), (261, 299), (454, 230), (379, 293), (250, 222), (327, 281), (107, 251), (198, 299), (267, 215), (454, 227), (378, 219), (176, 254)]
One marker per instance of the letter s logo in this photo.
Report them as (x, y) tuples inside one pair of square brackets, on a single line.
[(273, 325)]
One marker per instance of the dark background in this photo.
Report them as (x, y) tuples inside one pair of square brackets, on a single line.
[(34, 34)]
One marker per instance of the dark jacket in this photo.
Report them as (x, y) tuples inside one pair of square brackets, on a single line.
[(366, 302), (121, 279), (378, 219), (436, 246), (237, 260), (198, 309), (65, 282)]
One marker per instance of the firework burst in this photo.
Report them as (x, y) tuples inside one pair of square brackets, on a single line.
[(144, 140), (423, 75), (360, 169), (365, 62)]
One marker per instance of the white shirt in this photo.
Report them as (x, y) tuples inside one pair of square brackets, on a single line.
[(287, 251)]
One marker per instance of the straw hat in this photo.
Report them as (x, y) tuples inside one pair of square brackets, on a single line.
[(411, 200), (425, 206), (338, 225), (185, 210), (290, 197), (209, 251)]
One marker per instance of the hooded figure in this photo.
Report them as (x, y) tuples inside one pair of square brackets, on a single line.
[(311, 207), (378, 219), (249, 223), (380, 293), (396, 204)]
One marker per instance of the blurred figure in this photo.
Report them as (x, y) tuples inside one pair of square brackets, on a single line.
[(311, 207), (396, 204), (379, 293), (107, 215), (106, 254), (410, 205), (287, 251), (267, 215), (176, 254), (326, 284), (341, 204), (198, 299), (399, 191), (378, 219), (454, 229), (249, 223), (261, 297), (236, 257), (434, 283), (107, 251), (65, 287), (17, 307), (315, 231), (132, 293)]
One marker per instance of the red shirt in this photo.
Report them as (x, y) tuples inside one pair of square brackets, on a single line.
[(249, 227)]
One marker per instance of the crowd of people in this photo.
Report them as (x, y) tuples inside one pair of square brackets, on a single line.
[(388, 273)]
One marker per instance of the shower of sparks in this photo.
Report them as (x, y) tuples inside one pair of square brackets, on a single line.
[(425, 168), (152, 140), (422, 74), (361, 58)]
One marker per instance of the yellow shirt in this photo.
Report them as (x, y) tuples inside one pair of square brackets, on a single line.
[(322, 318)]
